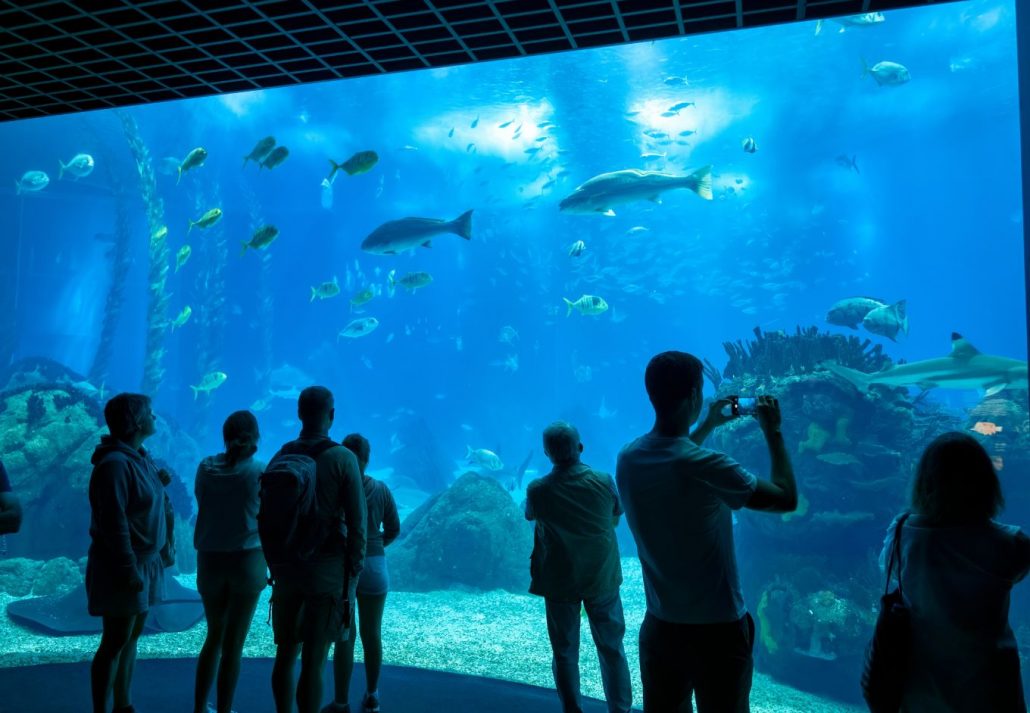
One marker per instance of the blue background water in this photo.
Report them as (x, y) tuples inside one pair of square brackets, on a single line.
[(933, 217)]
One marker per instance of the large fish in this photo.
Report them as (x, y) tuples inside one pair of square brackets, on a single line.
[(80, 166), (601, 193), (887, 321), (890, 74), (261, 149), (397, 236), (964, 368), (851, 311), (867, 19)]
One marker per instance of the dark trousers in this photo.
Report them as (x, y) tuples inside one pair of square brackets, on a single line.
[(711, 661)]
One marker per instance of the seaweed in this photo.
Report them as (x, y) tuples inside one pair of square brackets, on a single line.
[(157, 303), (776, 354)]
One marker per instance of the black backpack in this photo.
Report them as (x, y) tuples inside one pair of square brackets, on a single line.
[(289, 523)]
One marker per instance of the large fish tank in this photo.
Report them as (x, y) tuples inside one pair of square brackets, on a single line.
[(833, 179)]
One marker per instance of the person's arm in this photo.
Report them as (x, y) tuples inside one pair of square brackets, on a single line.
[(616, 504), (355, 510), (391, 520), (715, 418), (109, 494), (10, 513), (528, 508), (780, 492)]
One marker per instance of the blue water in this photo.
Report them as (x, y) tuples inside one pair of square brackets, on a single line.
[(933, 217)]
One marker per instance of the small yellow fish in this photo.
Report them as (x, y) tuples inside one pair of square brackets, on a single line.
[(183, 318), (207, 220), (363, 297), (262, 238), (325, 290), (986, 428), (160, 233), (182, 256)]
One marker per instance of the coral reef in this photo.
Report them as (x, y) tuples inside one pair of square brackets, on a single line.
[(21, 577), (157, 303), (776, 354), (470, 535)]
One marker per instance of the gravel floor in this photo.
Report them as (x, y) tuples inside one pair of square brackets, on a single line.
[(494, 634)]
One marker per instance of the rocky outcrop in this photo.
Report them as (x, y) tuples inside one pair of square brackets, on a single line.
[(471, 535)]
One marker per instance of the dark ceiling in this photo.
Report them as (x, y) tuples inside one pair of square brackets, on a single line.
[(76, 55)]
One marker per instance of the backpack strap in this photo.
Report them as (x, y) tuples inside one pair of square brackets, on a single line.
[(312, 451), (895, 555)]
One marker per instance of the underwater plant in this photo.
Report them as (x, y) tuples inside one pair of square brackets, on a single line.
[(157, 302), (777, 354)]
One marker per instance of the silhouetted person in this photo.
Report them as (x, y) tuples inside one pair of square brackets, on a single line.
[(315, 570), (958, 566), (373, 585), (10, 507), (575, 563), (124, 571), (230, 565), (697, 636)]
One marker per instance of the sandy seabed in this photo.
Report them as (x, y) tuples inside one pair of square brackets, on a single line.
[(494, 634)]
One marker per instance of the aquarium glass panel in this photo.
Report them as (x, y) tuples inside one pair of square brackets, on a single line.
[(829, 213)]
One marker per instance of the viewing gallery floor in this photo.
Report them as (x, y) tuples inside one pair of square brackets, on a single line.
[(483, 636)]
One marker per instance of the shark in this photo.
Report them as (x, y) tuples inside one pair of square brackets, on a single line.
[(964, 368)]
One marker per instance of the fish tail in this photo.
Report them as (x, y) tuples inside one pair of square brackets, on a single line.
[(858, 379), (191, 226), (865, 68), (901, 309), (468, 453), (854, 163), (245, 159), (245, 246), (60, 172), (818, 27), (568, 306), (17, 188), (336, 167), (314, 294), (196, 392), (179, 177), (462, 225), (700, 181)]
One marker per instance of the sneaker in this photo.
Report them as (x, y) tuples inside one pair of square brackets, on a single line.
[(370, 703)]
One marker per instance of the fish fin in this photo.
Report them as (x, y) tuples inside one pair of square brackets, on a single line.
[(818, 27), (427, 244), (568, 304), (179, 177), (865, 68), (995, 388), (191, 226), (196, 392), (858, 379), (462, 225), (244, 251), (468, 452), (656, 198), (960, 348), (700, 181), (610, 213), (60, 172), (314, 293)]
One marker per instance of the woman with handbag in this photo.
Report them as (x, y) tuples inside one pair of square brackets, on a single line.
[(957, 567)]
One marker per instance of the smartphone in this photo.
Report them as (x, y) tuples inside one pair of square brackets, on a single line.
[(743, 406)]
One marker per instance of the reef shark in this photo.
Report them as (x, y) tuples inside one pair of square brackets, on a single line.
[(964, 368)]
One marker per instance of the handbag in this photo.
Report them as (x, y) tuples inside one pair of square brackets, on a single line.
[(888, 655)]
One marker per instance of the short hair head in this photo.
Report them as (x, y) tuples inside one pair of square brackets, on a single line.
[(125, 414), (672, 378), (561, 443), (360, 447), (956, 482), (240, 433), (314, 404)]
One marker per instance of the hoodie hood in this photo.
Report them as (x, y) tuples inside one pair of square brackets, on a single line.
[(110, 444)]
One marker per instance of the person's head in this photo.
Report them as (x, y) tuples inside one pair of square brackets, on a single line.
[(956, 481), (129, 416), (241, 435), (360, 447), (674, 381), (315, 408), (561, 443)]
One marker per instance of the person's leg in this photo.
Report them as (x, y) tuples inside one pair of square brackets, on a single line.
[(287, 602), (239, 614), (725, 667), (127, 664), (313, 656), (115, 637), (282, 676), (563, 631), (666, 679), (343, 666), (215, 603), (370, 623), (608, 627)]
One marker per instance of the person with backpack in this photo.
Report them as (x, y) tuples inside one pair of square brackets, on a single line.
[(311, 521), (128, 530), (231, 570), (373, 586)]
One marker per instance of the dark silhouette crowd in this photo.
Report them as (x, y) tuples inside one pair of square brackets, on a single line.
[(314, 526)]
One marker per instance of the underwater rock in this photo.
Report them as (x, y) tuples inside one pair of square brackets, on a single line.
[(50, 421), (21, 576), (470, 535)]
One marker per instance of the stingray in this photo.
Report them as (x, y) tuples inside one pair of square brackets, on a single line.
[(66, 615)]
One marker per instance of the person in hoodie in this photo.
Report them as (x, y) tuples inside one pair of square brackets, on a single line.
[(373, 584), (230, 564), (124, 571)]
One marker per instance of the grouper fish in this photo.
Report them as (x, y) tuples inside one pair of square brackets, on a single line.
[(601, 193), (397, 236)]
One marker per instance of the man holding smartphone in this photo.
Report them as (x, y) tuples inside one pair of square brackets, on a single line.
[(697, 636)]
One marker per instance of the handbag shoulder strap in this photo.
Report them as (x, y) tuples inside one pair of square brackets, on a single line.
[(895, 555)]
